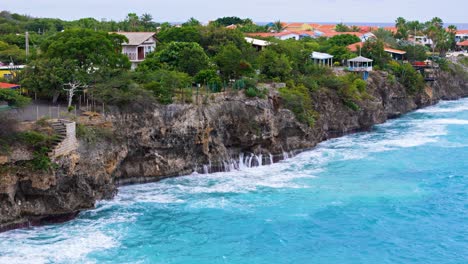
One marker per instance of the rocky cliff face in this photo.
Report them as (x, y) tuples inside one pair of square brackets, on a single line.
[(227, 132)]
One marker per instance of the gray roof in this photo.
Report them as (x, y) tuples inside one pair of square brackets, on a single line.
[(360, 59), (136, 38), (321, 56)]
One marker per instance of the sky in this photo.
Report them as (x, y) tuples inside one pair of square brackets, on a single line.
[(451, 11)]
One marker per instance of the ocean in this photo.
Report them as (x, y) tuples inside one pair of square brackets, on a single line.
[(396, 194)]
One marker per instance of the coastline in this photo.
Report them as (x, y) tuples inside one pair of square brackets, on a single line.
[(100, 169)]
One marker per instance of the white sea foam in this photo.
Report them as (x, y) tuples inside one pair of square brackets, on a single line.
[(438, 109), (66, 248), (449, 122)]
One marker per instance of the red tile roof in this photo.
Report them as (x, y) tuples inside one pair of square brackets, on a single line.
[(355, 47), (463, 43), (8, 85), (462, 31)]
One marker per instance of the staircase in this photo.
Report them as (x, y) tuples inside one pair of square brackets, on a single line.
[(65, 141)]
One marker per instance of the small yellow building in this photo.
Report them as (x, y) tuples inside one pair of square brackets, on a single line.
[(8, 72)]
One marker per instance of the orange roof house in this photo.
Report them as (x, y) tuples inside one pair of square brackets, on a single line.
[(463, 44), (395, 53)]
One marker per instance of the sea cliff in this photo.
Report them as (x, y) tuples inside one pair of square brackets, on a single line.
[(225, 132)]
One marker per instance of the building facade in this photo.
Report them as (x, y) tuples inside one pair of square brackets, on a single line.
[(139, 45)]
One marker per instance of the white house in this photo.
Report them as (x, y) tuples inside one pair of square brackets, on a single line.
[(323, 59), (287, 35), (423, 40), (461, 35), (138, 46), (257, 43)]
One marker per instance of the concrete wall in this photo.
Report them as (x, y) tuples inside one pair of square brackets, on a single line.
[(70, 143)]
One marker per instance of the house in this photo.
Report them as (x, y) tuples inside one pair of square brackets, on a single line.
[(257, 43), (232, 26), (138, 46), (284, 35), (9, 86), (463, 45), (360, 64), (366, 36), (287, 35), (461, 35), (423, 40), (8, 72), (395, 53), (323, 59), (298, 27)]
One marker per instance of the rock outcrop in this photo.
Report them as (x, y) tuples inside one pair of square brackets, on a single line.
[(164, 141)]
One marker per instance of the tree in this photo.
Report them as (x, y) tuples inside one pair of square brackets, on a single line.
[(374, 49), (164, 83), (133, 21), (47, 76), (226, 21), (274, 65), (192, 22), (188, 57), (402, 30), (147, 21), (180, 34), (13, 98), (71, 56), (385, 36), (231, 63), (343, 40), (11, 53), (209, 77), (88, 48), (340, 27), (73, 87), (340, 53), (213, 38), (413, 52), (278, 26)]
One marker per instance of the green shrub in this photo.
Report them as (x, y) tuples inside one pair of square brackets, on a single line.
[(412, 80), (463, 60), (298, 100), (41, 144), (34, 139), (14, 98), (41, 161), (251, 92), (391, 79), (92, 135)]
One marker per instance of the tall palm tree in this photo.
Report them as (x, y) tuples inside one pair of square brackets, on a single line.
[(278, 26)]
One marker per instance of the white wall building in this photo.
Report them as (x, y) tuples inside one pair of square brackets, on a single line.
[(138, 46)]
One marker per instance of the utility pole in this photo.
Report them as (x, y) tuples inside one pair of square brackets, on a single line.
[(26, 39)]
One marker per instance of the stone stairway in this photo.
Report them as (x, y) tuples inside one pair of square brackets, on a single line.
[(65, 141)]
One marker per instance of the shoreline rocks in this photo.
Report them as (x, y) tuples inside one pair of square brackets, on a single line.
[(157, 142)]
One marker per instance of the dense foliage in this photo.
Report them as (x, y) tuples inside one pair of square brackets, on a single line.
[(196, 60)]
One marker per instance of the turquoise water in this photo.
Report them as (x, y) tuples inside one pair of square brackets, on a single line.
[(397, 194)]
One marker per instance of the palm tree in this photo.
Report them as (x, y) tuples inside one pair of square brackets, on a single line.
[(146, 19), (402, 29), (278, 26), (132, 20), (341, 28)]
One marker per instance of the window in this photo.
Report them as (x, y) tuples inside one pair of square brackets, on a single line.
[(8, 76)]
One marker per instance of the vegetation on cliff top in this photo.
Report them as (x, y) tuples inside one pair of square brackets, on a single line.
[(195, 60)]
